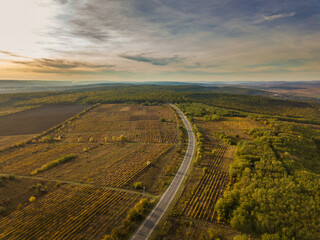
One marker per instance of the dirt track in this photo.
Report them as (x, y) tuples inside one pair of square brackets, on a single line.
[(37, 120)]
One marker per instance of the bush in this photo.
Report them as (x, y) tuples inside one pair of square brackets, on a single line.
[(227, 139), (107, 237), (41, 189), (133, 217), (19, 206), (54, 163), (47, 139), (212, 118), (32, 199), (213, 234), (241, 237), (162, 120), (137, 185), (123, 138)]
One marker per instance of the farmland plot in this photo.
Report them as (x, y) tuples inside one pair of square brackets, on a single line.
[(36, 120), (110, 164), (25, 159), (137, 123), (70, 212), (99, 162)]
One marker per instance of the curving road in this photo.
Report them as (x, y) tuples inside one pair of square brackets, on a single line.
[(158, 211)]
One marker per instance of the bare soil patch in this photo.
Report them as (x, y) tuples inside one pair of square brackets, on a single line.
[(37, 120)]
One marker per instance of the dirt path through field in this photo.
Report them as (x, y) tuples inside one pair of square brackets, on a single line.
[(77, 183)]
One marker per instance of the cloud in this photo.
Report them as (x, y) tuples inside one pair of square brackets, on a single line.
[(11, 54), (177, 36), (277, 16), (152, 60), (62, 1), (61, 65)]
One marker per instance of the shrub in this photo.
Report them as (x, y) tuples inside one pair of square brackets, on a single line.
[(47, 139), (205, 170), (211, 118), (54, 163), (19, 206), (162, 120), (32, 199), (133, 215), (241, 237), (137, 185), (227, 139), (123, 138), (213, 234), (107, 237), (41, 189)]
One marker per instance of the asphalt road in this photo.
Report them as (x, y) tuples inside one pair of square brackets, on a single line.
[(158, 211)]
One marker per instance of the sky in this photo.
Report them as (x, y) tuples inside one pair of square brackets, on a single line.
[(160, 40)]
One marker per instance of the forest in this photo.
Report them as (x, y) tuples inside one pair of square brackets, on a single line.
[(275, 183)]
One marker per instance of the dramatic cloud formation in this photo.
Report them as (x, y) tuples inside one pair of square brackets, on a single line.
[(160, 39)]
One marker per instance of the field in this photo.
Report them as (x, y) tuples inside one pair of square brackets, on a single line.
[(36, 120), (303, 91), (69, 212), (6, 141), (11, 110), (137, 123), (194, 212), (85, 196)]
